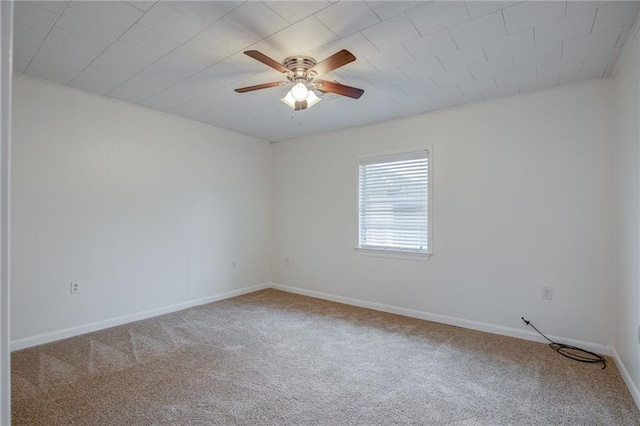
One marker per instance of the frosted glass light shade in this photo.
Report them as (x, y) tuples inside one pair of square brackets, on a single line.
[(299, 92), (305, 103), (312, 99)]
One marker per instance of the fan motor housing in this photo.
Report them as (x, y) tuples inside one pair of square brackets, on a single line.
[(299, 65)]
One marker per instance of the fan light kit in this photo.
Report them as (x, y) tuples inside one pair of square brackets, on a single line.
[(301, 72)]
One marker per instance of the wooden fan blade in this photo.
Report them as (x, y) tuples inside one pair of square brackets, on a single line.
[(337, 88), (267, 61), (260, 86), (334, 61)]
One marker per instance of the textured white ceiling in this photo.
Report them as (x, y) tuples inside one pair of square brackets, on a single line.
[(185, 58)]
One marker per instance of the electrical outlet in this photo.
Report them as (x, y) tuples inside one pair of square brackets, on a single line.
[(233, 264), (547, 293), (286, 261), (75, 288)]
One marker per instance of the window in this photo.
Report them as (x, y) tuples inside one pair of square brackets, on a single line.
[(393, 203)]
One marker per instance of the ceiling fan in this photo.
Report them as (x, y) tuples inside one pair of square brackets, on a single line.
[(302, 72)]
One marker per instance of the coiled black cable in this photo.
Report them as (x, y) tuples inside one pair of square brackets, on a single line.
[(569, 351)]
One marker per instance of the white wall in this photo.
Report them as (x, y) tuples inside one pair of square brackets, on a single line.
[(522, 199), (142, 209), (627, 212), (6, 33)]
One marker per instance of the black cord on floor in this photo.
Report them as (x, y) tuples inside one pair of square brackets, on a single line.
[(571, 352)]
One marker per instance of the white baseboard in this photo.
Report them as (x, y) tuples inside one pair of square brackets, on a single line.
[(112, 322), (633, 389), (444, 319)]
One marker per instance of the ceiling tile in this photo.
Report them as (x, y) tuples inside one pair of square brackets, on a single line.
[(231, 70), (275, 47), (544, 76), (501, 92), (494, 66), (479, 8), (626, 30), (96, 80), (183, 65), (531, 13), (78, 22), (75, 44), (452, 78), (390, 59), (51, 6), (307, 35), (30, 15), (438, 15), (575, 78), (421, 85), (26, 41), (186, 58), (19, 65), (443, 96), (566, 66), (344, 18), (564, 29), (515, 77), (143, 5), (391, 32), (576, 7), (187, 90), (538, 84), (116, 14), (355, 43), (483, 84), (218, 99), (540, 56), (205, 12), (124, 59), (357, 69), (150, 41), (594, 62), (616, 14), (424, 68), (591, 43), (476, 31), (256, 19), (51, 63), (387, 78), (415, 103), (388, 9), (217, 42), (170, 23), (146, 83), (467, 99), (431, 45), (293, 11), (463, 57), (169, 98), (513, 43)]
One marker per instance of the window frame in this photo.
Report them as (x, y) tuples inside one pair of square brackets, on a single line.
[(401, 254)]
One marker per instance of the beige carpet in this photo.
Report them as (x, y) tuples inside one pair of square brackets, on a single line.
[(273, 358)]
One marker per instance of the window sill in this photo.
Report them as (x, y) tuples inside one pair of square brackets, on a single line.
[(403, 255)]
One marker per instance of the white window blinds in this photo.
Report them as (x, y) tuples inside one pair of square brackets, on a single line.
[(393, 202)]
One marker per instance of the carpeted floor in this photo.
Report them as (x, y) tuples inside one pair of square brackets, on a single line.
[(273, 358)]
